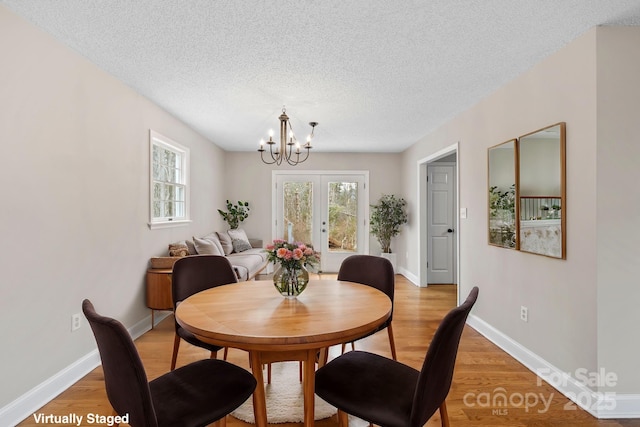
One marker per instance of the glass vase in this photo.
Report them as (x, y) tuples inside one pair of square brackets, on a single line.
[(291, 281)]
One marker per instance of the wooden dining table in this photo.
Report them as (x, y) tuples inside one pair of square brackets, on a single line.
[(253, 316)]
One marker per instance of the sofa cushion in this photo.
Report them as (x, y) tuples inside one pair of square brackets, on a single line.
[(248, 263), (206, 247), (225, 241)]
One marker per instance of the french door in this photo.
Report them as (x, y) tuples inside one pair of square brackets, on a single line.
[(325, 209)]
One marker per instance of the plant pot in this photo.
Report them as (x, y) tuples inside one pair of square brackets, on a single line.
[(391, 257)]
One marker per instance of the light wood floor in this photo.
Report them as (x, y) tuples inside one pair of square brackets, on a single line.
[(481, 368)]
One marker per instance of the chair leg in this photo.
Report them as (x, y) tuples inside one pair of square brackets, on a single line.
[(176, 346), (214, 355), (300, 371), (269, 373), (344, 346), (444, 417), (392, 342), (226, 352), (343, 419)]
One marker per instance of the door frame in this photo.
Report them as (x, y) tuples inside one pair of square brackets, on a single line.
[(274, 198), (423, 212)]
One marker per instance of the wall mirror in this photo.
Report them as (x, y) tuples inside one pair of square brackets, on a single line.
[(541, 192), (502, 195)]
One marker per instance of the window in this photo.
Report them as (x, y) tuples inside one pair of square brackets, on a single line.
[(169, 182)]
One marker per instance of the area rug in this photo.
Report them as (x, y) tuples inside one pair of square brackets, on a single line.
[(285, 402)]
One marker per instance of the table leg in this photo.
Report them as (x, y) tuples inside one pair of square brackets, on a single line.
[(308, 384), (259, 398)]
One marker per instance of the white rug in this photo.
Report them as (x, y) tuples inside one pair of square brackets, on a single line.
[(284, 398)]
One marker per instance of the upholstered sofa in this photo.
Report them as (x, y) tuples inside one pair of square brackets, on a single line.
[(247, 257)]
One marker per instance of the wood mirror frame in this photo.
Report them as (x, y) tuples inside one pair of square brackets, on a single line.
[(541, 191), (502, 171)]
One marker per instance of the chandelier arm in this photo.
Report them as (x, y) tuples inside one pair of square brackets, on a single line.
[(297, 160), (262, 157)]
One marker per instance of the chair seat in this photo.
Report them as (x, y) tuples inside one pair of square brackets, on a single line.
[(382, 399), (200, 393), (193, 340)]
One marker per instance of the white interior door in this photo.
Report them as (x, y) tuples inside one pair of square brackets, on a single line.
[(326, 210), (441, 221)]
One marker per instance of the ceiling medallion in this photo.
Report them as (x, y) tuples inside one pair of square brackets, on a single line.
[(289, 149)]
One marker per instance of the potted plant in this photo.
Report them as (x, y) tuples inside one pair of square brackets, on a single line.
[(386, 219), (235, 214)]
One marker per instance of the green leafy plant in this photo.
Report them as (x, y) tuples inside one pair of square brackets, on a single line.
[(386, 219), (235, 214)]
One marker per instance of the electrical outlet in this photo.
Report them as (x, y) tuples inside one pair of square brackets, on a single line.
[(76, 321), (524, 313)]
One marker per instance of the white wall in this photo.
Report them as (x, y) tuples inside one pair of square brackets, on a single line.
[(618, 204), (75, 201), (561, 295), (249, 179)]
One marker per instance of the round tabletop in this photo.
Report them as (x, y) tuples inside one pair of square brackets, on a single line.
[(254, 316)]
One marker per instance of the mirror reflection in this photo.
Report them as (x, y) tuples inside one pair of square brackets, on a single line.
[(541, 187), (502, 195)]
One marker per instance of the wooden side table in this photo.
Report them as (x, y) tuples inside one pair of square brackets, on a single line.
[(159, 290)]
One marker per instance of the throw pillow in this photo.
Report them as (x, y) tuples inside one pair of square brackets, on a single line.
[(225, 241), (239, 234), (178, 249), (213, 236), (240, 245), (205, 247)]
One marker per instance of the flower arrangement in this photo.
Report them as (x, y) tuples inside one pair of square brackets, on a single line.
[(291, 255), (291, 278)]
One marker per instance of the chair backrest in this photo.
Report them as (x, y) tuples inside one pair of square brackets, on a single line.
[(370, 270), (193, 274), (435, 377), (124, 375)]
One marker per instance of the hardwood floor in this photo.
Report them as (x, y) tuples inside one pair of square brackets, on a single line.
[(483, 371)]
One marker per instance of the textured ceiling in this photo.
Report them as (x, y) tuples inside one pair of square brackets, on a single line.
[(377, 75)]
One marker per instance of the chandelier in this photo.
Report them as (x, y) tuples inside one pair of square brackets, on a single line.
[(289, 149)]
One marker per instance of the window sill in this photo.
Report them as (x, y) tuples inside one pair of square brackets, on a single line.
[(169, 224)]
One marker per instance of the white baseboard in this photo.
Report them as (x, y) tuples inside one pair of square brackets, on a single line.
[(27, 404), (600, 405), (409, 275)]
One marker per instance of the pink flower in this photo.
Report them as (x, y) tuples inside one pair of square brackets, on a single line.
[(298, 254), (288, 255), (308, 251), (282, 253), (270, 247)]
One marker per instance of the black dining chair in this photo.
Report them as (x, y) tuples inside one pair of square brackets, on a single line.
[(194, 395), (376, 272), (191, 275), (388, 393)]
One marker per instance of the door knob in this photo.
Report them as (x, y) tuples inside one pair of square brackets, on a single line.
[(450, 230)]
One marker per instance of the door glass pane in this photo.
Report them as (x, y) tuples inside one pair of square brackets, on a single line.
[(298, 211), (343, 217)]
